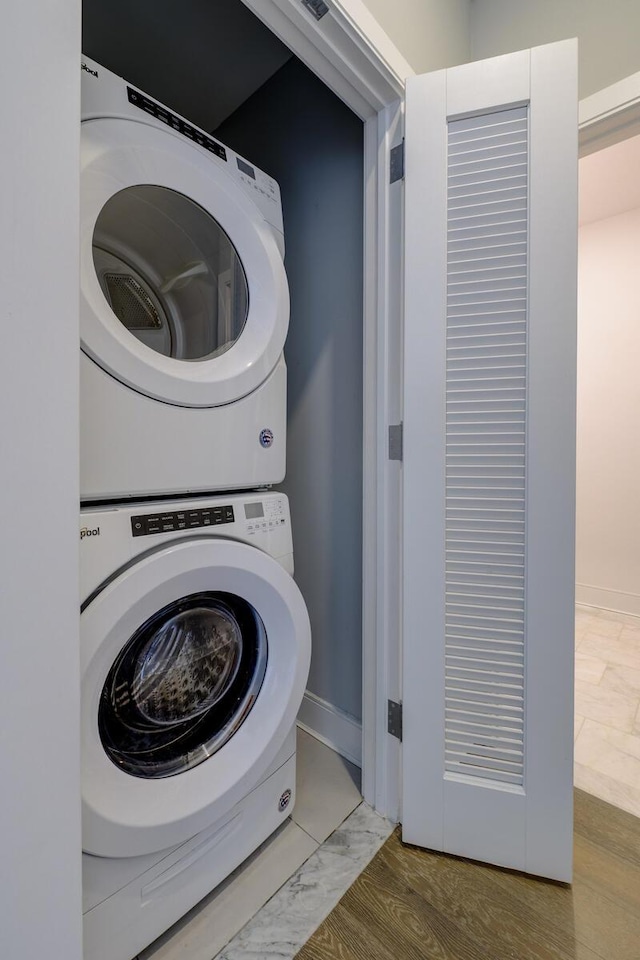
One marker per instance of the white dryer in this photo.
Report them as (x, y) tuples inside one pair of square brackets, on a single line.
[(195, 648), (184, 304)]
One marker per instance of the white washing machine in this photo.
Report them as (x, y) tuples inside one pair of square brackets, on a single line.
[(184, 304), (195, 648)]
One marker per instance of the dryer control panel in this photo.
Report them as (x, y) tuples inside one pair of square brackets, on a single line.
[(155, 109), (104, 94)]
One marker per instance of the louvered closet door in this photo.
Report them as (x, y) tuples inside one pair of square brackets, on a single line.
[(489, 466)]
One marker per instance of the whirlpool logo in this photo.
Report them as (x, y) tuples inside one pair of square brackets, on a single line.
[(88, 532), (266, 437)]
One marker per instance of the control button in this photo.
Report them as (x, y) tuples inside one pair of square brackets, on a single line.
[(161, 113), (153, 527), (181, 516), (228, 515), (181, 524), (138, 526), (216, 148), (168, 526)]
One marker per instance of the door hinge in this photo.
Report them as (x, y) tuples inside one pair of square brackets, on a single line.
[(396, 163), (395, 441), (317, 7), (394, 719)]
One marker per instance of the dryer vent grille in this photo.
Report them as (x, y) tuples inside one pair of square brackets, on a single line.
[(130, 303)]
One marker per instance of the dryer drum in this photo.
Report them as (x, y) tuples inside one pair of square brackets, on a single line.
[(182, 684), (170, 273), (131, 303)]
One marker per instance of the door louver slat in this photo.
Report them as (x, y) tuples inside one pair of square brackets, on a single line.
[(486, 445)]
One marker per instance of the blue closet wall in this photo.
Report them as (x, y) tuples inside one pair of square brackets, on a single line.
[(303, 135)]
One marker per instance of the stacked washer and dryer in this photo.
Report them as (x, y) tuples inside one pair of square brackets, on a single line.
[(195, 640)]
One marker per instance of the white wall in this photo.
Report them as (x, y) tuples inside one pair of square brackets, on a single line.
[(607, 32), (608, 455), (40, 909), (430, 34)]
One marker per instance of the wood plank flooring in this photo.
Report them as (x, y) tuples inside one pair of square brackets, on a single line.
[(410, 904)]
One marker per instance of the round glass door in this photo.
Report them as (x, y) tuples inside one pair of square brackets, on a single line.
[(170, 273), (183, 292), (182, 685)]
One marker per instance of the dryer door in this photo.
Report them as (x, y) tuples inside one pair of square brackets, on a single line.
[(183, 291), (194, 664)]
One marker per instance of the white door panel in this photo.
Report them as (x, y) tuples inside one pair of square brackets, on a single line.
[(489, 466)]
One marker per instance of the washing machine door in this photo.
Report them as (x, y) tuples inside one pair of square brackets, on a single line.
[(194, 664), (184, 296)]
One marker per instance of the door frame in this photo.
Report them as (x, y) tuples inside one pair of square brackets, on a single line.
[(609, 115), (348, 50)]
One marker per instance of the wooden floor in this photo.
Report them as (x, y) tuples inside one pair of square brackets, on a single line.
[(410, 904)]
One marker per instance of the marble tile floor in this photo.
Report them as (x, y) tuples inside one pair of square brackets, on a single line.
[(287, 921), (272, 903), (607, 706)]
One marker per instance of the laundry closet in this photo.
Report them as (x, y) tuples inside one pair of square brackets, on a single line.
[(183, 248), (111, 33), (220, 68)]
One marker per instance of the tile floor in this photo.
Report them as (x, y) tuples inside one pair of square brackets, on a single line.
[(320, 850), (607, 706), (287, 921)]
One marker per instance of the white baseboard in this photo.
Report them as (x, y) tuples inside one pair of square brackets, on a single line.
[(337, 729), (615, 600)]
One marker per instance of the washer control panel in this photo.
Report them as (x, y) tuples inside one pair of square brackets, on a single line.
[(115, 535), (263, 516), (143, 525)]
